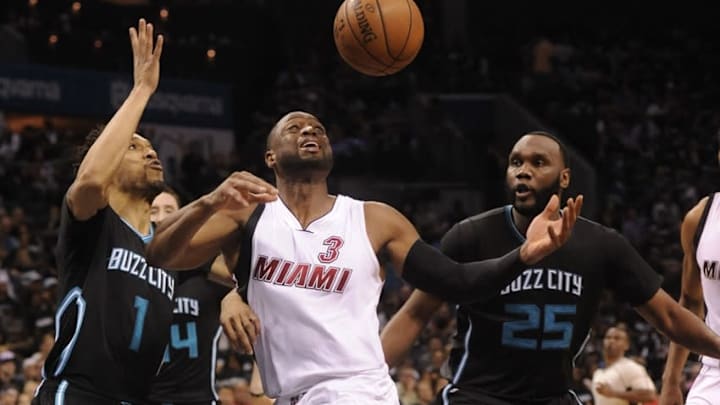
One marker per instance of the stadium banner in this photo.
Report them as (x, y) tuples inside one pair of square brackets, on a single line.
[(59, 91)]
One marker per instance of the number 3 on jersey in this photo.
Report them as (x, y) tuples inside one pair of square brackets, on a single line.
[(532, 323), (333, 243)]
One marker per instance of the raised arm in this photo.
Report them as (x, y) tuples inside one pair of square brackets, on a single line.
[(691, 298), (428, 269), (197, 233), (88, 192)]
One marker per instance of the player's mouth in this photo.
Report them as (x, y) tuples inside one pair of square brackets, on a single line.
[(310, 146), (523, 191), (155, 165)]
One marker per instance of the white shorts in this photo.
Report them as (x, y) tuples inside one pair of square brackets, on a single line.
[(706, 388), (361, 389)]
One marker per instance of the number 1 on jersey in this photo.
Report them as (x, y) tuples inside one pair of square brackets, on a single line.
[(141, 305)]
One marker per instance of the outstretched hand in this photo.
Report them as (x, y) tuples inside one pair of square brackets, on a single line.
[(240, 190), (550, 230), (146, 60), (239, 322)]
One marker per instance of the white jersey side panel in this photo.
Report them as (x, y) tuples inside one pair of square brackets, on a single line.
[(708, 259), (316, 293)]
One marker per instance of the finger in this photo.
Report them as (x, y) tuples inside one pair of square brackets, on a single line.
[(255, 180), (578, 205), (553, 205), (250, 331), (242, 336), (236, 196), (149, 39), (256, 323), (262, 197), (158, 48), (553, 236), (142, 32), (230, 333), (249, 186), (133, 39)]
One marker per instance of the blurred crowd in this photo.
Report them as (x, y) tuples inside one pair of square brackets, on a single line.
[(638, 108)]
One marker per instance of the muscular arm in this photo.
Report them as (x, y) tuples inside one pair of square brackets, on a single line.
[(636, 395), (680, 325), (428, 269), (88, 192), (405, 326), (191, 236), (691, 295)]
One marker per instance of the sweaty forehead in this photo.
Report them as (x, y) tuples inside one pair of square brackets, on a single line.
[(537, 144)]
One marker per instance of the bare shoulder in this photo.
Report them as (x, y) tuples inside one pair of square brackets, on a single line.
[(692, 218), (379, 210)]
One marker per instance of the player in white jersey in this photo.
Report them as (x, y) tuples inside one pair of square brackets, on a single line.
[(314, 276), (700, 237)]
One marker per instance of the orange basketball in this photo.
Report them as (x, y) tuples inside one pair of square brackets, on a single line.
[(378, 37)]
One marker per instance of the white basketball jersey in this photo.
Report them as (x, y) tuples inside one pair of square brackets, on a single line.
[(315, 292), (708, 259)]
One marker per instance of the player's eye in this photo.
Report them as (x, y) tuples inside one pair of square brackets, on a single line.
[(132, 146), (293, 128), (515, 162), (539, 162)]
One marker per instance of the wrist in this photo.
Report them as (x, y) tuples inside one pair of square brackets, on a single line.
[(143, 91), (524, 255), (671, 380)]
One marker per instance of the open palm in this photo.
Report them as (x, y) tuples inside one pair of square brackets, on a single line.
[(551, 229), (146, 60)]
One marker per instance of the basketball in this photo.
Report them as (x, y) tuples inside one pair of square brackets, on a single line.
[(378, 37)]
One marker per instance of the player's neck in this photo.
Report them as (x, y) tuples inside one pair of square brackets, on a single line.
[(609, 361), (308, 201), (134, 210), (521, 221)]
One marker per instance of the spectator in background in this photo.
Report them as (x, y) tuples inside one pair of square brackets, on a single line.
[(622, 381)]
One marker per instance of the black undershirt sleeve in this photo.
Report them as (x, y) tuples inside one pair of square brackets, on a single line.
[(427, 269)]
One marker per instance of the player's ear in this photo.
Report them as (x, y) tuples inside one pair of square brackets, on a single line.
[(270, 159), (565, 178)]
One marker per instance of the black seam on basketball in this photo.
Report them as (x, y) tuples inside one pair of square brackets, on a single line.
[(407, 38), (347, 3), (382, 22)]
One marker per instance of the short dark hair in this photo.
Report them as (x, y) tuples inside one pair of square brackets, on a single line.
[(561, 145), (89, 141), (167, 189)]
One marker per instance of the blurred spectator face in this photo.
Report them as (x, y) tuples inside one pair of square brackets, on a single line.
[(408, 377), (226, 396), (7, 366), (24, 399), (46, 344), (30, 387), (141, 171), (9, 396), (31, 370), (162, 206), (425, 392), (535, 172), (615, 343)]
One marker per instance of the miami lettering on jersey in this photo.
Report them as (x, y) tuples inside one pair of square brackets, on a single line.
[(710, 269), (546, 279), (287, 273), (132, 263)]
